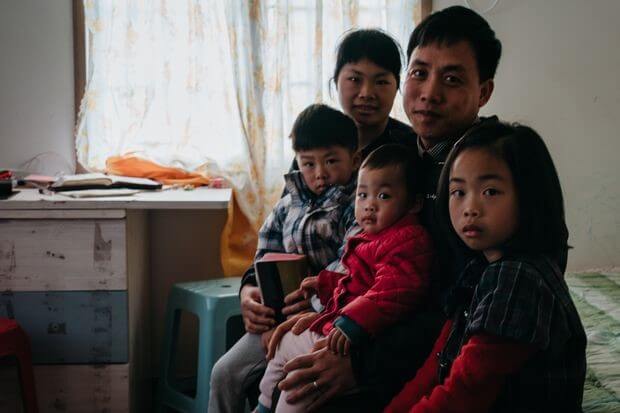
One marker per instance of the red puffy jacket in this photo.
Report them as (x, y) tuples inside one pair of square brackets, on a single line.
[(388, 276)]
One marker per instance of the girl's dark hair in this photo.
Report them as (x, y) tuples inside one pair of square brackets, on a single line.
[(457, 23), (320, 126), (372, 44), (401, 157), (541, 227)]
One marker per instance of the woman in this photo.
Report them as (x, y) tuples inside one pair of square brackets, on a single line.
[(367, 77)]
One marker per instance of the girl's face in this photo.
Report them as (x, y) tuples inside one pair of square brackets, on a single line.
[(366, 92), (483, 201)]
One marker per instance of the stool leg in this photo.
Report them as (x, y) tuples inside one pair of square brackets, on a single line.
[(168, 355), (205, 359)]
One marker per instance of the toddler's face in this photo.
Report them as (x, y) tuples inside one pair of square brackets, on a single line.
[(324, 167), (382, 198), (483, 201)]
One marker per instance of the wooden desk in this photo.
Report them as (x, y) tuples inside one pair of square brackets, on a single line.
[(88, 281)]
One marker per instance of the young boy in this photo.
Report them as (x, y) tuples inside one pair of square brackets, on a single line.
[(311, 219), (388, 267)]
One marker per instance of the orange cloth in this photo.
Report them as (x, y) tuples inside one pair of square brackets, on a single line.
[(238, 241), (137, 167)]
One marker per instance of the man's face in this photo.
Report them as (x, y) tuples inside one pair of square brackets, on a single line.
[(443, 92)]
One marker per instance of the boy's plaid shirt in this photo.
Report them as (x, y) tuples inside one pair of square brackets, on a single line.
[(303, 223)]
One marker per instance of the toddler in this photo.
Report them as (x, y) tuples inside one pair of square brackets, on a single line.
[(388, 267)]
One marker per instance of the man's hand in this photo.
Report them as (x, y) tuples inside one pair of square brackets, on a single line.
[(332, 374), (295, 303), (257, 318), (338, 343), (297, 324)]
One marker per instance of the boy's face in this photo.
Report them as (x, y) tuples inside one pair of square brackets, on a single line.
[(382, 198), (324, 167)]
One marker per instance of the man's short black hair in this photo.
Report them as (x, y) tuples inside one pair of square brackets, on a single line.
[(320, 126), (455, 24), (372, 44), (401, 157)]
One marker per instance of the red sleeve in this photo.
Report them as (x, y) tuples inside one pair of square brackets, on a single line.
[(401, 284), (477, 376), (327, 283), (425, 378)]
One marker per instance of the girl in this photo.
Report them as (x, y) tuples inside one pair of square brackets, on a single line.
[(513, 341)]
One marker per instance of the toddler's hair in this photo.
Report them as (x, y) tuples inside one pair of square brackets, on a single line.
[(401, 157), (320, 126), (541, 224)]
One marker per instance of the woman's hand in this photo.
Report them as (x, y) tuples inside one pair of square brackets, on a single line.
[(265, 338), (309, 286), (332, 374), (297, 324), (295, 303), (257, 318), (338, 343)]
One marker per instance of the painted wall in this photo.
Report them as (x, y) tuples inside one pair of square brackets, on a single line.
[(36, 84), (558, 75)]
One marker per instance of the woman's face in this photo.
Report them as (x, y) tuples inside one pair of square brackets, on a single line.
[(366, 92)]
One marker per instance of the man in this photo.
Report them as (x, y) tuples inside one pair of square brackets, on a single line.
[(452, 58)]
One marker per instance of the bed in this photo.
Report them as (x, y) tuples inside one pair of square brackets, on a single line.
[(597, 298)]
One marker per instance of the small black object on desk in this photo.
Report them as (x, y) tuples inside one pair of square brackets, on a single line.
[(6, 188)]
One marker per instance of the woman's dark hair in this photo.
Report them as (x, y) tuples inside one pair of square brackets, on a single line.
[(372, 44), (541, 227), (401, 157), (457, 23), (320, 126)]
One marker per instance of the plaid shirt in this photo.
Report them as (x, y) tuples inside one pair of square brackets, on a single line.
[(303, 223), (524, 299)]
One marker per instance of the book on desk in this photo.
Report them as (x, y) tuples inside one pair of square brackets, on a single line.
[(101, 181)]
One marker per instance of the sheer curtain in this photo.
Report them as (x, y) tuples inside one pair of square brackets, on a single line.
[(214, 85)]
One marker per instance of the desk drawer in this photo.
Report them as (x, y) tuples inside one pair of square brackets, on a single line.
[(71, 326), (62, 254), (72, 388)]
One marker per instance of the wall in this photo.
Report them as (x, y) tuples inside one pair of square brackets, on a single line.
[(558, 75), (36, 83)]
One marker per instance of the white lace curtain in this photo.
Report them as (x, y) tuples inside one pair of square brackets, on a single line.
[(214, 85)]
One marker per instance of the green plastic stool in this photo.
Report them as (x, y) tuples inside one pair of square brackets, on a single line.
[(213, 302)]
